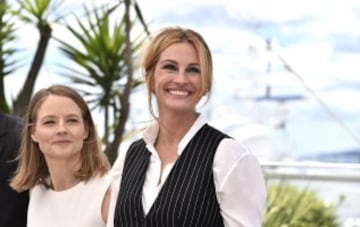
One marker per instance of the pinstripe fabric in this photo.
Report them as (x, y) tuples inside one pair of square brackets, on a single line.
[(129, 211), (188, 196)]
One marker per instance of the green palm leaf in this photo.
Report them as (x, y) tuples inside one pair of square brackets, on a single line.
[(98, 60)]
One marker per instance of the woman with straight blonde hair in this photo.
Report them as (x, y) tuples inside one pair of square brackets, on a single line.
[(61, 162)]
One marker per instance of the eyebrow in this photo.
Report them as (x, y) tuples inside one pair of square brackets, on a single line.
[(168, 61), (194, 64), (67, 116), (175, 62)]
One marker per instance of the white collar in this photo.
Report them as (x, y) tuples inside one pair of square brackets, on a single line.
[(150, 133)]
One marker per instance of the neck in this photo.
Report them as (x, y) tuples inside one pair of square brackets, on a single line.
[(173, 128), (62, 174)]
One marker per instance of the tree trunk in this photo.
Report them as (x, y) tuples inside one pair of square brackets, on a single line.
[(23, 99), (112, 150)]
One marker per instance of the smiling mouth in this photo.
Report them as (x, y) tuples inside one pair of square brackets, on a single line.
[(179, 92)]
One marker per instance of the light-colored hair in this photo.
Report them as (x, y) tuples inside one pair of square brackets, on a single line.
[(32, 168), (173, 35)]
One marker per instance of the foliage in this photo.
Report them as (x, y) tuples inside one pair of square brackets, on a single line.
[(106, 57), (40, 13), (291, 206), (100, 63), (8, 64)]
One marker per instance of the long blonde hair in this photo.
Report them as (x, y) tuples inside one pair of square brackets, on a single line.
[(32, 168)]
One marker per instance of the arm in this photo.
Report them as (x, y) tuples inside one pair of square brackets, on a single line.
[(105, 205), (115, 173), (240, 185)]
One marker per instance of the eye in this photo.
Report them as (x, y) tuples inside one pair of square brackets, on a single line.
[(48, 122), (73, 120), (170, 67), (193, 70)]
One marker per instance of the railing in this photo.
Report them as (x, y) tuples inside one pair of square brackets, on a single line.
[(312, 171), (331, 180)]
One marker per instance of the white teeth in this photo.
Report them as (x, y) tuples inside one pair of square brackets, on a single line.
[(179, 93)]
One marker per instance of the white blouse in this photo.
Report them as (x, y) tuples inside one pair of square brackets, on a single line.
[(78, 206), (238, 177)]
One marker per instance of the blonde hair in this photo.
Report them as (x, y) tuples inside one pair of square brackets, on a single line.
[(173, 35), (32, 168)]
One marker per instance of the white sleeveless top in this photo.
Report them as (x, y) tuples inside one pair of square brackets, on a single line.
[(79, 206)]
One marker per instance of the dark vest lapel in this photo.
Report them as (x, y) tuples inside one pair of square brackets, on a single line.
[(129, 207), (188, 196)]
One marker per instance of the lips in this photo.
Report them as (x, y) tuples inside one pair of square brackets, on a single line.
[(179, 92), (62, 142)]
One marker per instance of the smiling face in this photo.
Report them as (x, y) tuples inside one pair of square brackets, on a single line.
[(177, 78), (59, 129)]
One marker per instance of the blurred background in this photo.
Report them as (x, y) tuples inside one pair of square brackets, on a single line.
[(286, 77)]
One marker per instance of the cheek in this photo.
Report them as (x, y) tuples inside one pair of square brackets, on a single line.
[(42, 141), (79, 145), (81, 135), (197, 82)]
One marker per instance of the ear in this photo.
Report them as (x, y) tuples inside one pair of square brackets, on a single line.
[(86, 133), (33, 137), (151, 83), (151, 87)]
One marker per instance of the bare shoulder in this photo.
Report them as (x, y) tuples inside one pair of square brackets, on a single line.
[(106, 204)]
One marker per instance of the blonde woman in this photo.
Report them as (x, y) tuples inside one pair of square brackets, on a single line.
[(61, 162), (183, 171)]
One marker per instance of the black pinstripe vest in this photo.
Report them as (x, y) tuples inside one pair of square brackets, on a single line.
[(186, 199)]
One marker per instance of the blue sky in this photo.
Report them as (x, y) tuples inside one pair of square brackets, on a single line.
[(318, 39)]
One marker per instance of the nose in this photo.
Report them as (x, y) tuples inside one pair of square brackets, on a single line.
[(181, 77), (62, 129)]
